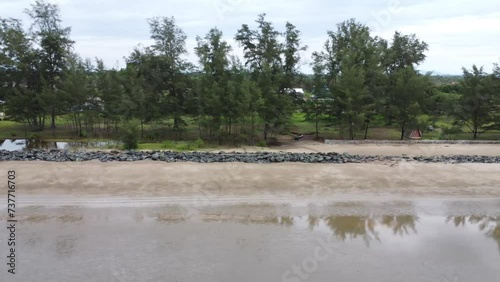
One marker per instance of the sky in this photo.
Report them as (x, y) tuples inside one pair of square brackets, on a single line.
[(460, 33)]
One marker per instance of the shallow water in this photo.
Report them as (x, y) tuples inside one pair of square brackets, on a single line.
[(346, 241), (23, 144)]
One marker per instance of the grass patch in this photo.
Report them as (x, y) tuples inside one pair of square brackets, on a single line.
[(262, 144), (174, 145), (155, 132)]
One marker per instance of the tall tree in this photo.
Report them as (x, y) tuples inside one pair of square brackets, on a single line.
[(55, 46), (407, 93), (264, 53), (169, 50), (148, 73), (216, 95), (406, 51), (20, 83), (351, 63), (496, 98), (315, 108), (291, 55), (76, 91), (476, 107), (406, 89)]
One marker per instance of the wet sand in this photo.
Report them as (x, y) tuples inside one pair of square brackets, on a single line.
[(423, 240)]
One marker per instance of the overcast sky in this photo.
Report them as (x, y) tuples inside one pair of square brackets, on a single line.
[(459, 32)]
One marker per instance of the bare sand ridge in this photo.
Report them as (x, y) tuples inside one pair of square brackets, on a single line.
[(157, 179), (293, 180), (385, 149)]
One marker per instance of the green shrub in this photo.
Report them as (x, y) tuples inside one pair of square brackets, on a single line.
[(130, 135), (262, 144), (152, 136), (199, 143), (34, 136), (183, 146), (168, 145), (455, 129)]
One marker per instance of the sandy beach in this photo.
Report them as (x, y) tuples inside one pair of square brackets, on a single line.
[(410, 149), (290, 180)]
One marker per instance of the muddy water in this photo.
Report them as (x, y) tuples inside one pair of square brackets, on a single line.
[(342, 241)]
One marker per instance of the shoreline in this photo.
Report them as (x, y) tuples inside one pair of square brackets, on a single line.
[(308, 171)]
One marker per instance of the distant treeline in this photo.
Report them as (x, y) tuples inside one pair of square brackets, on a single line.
[(357, 77)]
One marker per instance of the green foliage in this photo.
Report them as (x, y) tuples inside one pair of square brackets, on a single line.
[(407, 95), (361, 83), (262, 144), (183, 146), (34, 136), (199, 143), (130, 135), (168, 144), (264, 50), (452, 129), (54, 49), (477, 107)]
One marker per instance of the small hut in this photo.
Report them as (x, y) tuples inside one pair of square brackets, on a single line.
[(416, 134)]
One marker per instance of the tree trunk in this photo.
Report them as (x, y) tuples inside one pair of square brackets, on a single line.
[(366, 130), (403, 131), (317, 122), (199, 128), (253, 130), (317, 127), (351, 128), (142, 129), (53, 117), (79, 126)]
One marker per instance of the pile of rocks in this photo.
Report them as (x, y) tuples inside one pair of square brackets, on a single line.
[(222, 157), (413, 142)]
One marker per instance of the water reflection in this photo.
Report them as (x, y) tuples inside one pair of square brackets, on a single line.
[(401, 224), (366, 228), (23, 144), (232, 240), (352, 227), (487, 224), (287, 221), (313, 222)]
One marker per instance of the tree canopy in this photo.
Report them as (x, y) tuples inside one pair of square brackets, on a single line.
[(357, 79)]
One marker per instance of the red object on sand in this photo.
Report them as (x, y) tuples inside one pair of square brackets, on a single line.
[(416, 134)]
